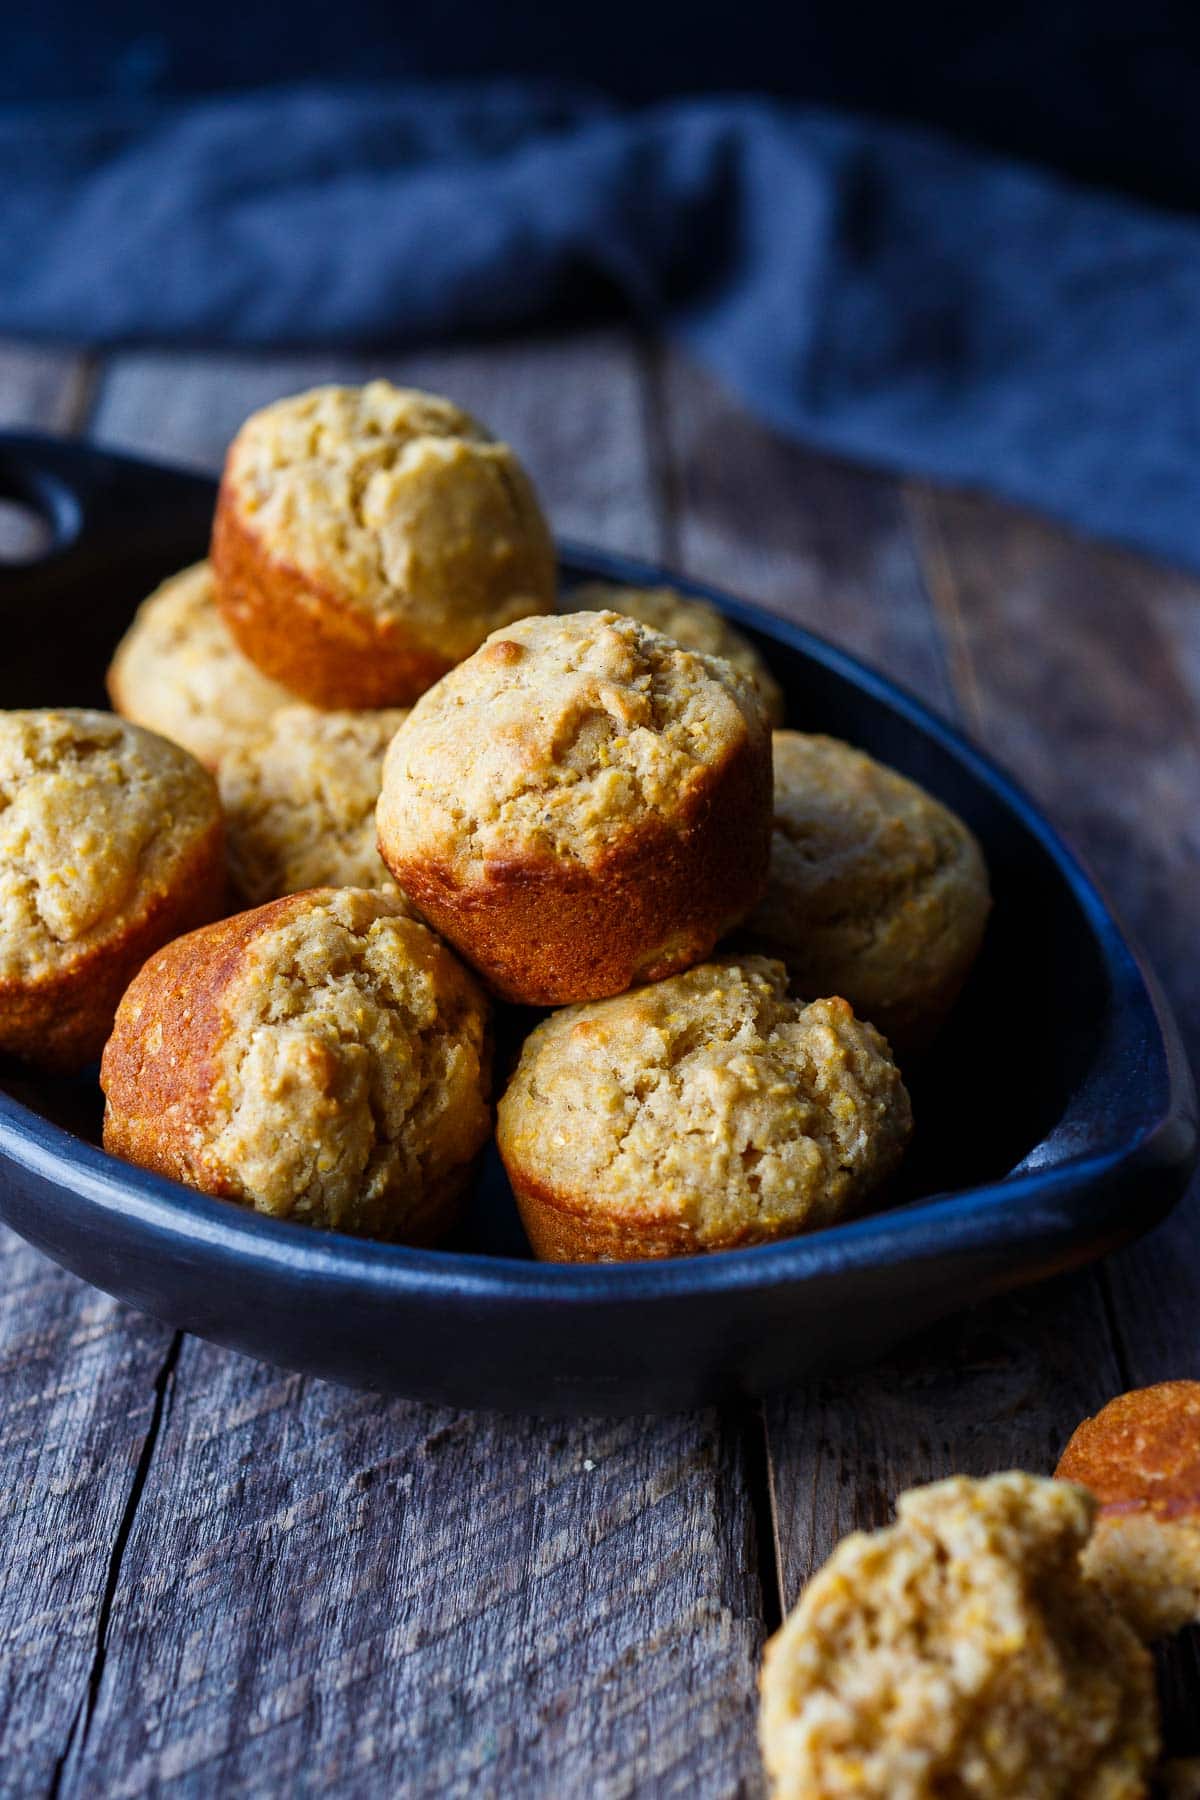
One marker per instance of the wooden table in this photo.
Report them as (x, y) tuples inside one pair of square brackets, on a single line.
[(225, 1577)]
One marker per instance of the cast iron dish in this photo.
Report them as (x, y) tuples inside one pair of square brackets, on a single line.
[(1034, 1150)]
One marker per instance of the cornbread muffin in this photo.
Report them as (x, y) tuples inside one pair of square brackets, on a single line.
[(580, 805), (1140, 1456), (110, 843), (877, 891), (323, 1058), (177, 671), (960, 1652), (701, 1113), (300, 799), (367, 539), (695, 624)]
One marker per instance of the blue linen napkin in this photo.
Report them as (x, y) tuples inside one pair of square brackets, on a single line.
[(866, 288)]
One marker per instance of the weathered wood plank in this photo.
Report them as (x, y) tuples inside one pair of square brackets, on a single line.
[(325, 1589), (77, 1384), (572, 407), (77, 1374)]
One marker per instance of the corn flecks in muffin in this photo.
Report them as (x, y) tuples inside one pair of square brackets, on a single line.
[(960, 1651)]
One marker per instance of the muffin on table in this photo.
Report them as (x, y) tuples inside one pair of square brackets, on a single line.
[(1140, 1457), (876, 890), (110, 843), (178, 671), (299, 802), (367, 539), (703, 1112), (580, 805), (960, 1651), (323, 1058), (696, 624)]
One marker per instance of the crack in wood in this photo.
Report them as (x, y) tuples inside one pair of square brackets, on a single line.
[(750, 1425), (82, 1718)]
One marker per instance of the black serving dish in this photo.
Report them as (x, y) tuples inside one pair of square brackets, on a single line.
[(1056, 1117)]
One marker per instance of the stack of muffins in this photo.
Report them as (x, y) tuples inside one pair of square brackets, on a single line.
[(365, 719)]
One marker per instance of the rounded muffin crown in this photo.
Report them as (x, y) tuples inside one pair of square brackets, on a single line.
[(396, 505), (559, 741), (703, 1111), (693, 624), (961, 1649), (178, 671), (324, 1058), (299, 801), (99, 820), (1140, 1457), (1141, 1452), (876, 890)]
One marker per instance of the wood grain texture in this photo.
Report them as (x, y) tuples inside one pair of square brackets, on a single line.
[(77, 1397), (329, 1592), (326, 1591)]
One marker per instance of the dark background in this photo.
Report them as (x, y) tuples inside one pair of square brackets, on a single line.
[(1108, 93)]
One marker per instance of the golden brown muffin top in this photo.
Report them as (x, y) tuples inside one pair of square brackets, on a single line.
[(178, 671), (960, 1652), (299, 801), (96, 817), (402, 503), (556, 740), (696, 624), (1141, 1452), (341, 1053), (877, 891), (710, 1099)]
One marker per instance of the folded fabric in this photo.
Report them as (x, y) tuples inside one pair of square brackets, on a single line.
[(866, 288)]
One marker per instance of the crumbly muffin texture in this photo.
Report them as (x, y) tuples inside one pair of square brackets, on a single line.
[(299, 801), (876, 890), (554, 740), (334, 1070), (1140, 1457), (97, 817), (178, 671), (960, 1653), (706, 1110), (695, 624), (402, 503)]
